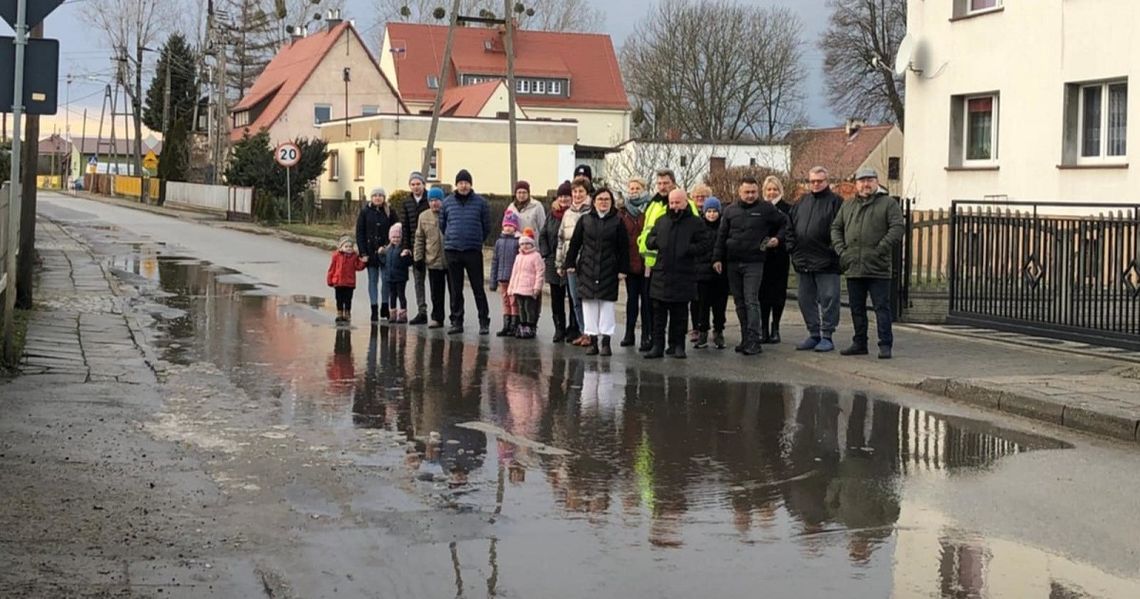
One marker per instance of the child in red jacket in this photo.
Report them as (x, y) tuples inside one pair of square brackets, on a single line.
[(342, 276)]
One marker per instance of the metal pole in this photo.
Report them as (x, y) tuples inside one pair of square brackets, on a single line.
[(444, 71), (510, 25), (288, 196), (21, 44)]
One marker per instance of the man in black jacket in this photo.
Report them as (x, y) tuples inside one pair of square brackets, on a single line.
[(415, 205), (816, 263), (680, 239), (747, 230)]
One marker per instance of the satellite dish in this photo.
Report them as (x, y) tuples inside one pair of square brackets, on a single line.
[(905, 53)]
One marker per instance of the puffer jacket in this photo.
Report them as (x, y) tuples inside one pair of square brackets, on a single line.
[(410, 212), (705, 270), (599, 253), (533, 215), (395, 264), (548, 247), (809, 235), (865, 232), (465, 221), (372, 229), (680, 240), (745, 230), (570, 220), (527, 276), (429, 242), (633, 226), (342, 269), (503, 259)]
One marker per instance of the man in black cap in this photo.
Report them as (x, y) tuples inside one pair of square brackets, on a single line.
[(465, 222)]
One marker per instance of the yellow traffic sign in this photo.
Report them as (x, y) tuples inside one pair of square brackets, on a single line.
[(150, 162)]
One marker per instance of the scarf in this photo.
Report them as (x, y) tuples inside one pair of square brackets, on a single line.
[(635, 205), (558, 212)]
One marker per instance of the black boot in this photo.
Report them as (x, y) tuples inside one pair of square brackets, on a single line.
[(592, 349), (628, 340), (646, 343), (559, 329), (718, 339), (765, 332), (375, 313), (679, 351), (606, 351), (508, 327), (657, 351), (384, 311), (777, 313)]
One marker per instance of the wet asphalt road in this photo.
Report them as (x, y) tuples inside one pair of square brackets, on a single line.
[(476, 467)]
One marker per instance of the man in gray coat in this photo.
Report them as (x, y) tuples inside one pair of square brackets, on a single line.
[(864, 235)]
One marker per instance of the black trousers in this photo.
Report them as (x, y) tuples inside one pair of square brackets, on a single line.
[(558, 312), (675, 316), (437, 280), (858, 288), (468, 262), (343, 298), (529, 308), (398, 295), (637, 301), (712, 297)]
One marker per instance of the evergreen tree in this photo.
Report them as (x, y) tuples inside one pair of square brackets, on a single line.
[(182, 61)]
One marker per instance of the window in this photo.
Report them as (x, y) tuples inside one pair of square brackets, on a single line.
[(322, 113), (1103, 125), (360, 164), (241, 119), (969, 8), (433, 164), (334, 165), (433, 81), (684, 161), (555, 88), (522, 86), (894, 168), (983, 5), (981, 129), (369, 110), (540, 87)]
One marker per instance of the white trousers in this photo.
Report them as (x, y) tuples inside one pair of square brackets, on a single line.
[(598, 316)]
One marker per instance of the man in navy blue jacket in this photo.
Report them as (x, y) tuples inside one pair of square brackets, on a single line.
[(465, 222)]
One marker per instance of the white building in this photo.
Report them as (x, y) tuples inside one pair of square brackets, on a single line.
[(691, 161), (1021, 100)]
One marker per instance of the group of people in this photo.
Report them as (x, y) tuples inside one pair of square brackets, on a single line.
[(679, 258)]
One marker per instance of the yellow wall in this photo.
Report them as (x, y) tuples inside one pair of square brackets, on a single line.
[(132, 187), (603, 128)]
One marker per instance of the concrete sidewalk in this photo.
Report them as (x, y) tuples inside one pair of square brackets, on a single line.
[(1064, 384)]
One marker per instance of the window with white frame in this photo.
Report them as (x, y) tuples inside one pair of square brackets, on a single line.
[(555, 88), (522, 86), (982, 5), (540, 87), (1102, 127), (322, 113), (968, 8), (369, 110), (981, 128)]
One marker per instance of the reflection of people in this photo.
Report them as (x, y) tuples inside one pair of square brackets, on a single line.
[(340, 371), (366, 410)]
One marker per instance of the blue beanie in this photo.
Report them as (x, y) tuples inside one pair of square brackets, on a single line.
[(712, 204), (435, 193)]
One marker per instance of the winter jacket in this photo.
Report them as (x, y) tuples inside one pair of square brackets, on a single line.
[(395, 264), (680, 240), (343, 268), (774, 285), (599, 253), (533, 216), (527, 275), (657, 208), (410, 212), (864, 233), (372, 229), (809, 235), (570, 220), (705, 270), (745, 230), (429, 242), (548, 247), (503, 259), (633, 226), (465, 222)]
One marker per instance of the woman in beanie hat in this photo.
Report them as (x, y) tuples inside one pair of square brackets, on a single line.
[(397, 260), (712, 287), (531, 213), (372, 226), (548, 246), (526, 284), (502, 263)]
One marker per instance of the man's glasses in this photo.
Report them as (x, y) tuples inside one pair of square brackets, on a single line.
[(817, 181)]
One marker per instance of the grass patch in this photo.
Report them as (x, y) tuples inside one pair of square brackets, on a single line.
[(20, 324), (327, 231)]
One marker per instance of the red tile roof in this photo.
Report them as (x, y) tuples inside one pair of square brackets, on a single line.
[(586, 59), (288, 72), (833, 149), (468, 100)]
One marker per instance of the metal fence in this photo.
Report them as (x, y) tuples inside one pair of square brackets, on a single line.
[(1069, 277)]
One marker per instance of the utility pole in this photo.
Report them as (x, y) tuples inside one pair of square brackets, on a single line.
[(21, 43), (25, 269), (514, 151), (136, 109), (444, 73), (166, 101)]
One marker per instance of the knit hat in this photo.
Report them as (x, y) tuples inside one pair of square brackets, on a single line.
[(584, 170), (527, 236), (343, 239), (395, 232), (712, 203), (564, 189), (435, 193), (511, 219), (378, 191), (463, 175), (416, 176), (522, 185)]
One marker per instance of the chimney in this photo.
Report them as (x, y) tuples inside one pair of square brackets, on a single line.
[(854, 124)]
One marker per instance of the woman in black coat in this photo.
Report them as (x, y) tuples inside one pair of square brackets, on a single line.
[(599, 257), (680, 240), (774, 285), (548, 248)]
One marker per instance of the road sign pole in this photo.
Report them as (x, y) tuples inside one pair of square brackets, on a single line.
[(14, 180), (288, 196)]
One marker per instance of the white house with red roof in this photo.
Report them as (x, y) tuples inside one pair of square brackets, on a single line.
[(305, 85), (559, 76)]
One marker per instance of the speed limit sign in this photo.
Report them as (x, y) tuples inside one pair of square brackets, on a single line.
[(287, 154)]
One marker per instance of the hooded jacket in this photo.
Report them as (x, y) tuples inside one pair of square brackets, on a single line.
[(428, 246), (533, 215), (680, 240), (342, 269), (503, 258), (865, 232), (809, 236)]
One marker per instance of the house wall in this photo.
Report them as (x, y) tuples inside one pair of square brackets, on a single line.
[(326, 86), (1027, 53), (545, 153), (600, 128), (879, 159)]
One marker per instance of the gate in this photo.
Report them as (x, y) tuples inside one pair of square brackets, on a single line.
[(1067, 277)]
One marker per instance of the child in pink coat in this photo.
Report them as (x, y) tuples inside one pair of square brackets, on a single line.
[(527, 278)]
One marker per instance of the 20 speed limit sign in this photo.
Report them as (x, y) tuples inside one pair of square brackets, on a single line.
[(287, 154)]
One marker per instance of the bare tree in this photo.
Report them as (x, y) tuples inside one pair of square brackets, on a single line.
[(715, 71), (689, 162), (546, 15), (859, 48)]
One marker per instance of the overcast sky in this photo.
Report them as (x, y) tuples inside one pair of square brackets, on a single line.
[(84, 54)]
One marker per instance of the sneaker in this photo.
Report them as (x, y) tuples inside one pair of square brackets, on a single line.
[(884, 352), (455, 329), (854, 350), (811, 343), (420, 318), (824, 345), (718, 339), (702, 341)]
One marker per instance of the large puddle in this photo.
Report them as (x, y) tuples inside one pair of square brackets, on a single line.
[(593, 480)]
